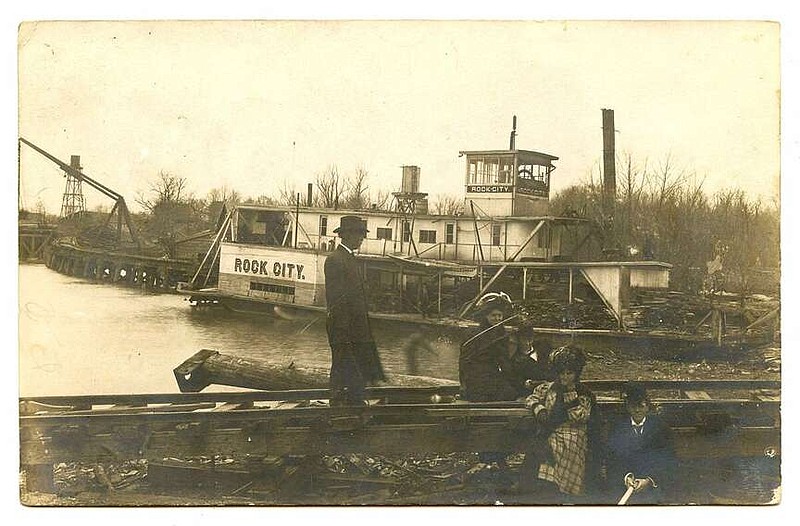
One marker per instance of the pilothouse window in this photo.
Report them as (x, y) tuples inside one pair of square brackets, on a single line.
[(490, 170)]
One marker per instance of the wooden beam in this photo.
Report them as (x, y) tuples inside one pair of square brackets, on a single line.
[(497, 274)]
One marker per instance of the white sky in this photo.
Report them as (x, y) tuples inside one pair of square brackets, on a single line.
[(250, 105)]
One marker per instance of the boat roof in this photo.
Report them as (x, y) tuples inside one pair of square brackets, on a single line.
[(505, 152), (574, 264), (389, 213)]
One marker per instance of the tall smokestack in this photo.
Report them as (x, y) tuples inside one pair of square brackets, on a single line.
[(310, 196), (513, 142), (609, 157)]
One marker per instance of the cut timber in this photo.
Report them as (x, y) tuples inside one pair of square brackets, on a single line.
[(697, 395), (208, 367)]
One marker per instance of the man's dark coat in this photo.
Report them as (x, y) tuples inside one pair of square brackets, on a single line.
[(649, 454), (354, 357)]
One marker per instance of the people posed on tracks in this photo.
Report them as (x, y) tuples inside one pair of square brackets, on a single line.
[(641, 453), (355, 362), (567, 449)]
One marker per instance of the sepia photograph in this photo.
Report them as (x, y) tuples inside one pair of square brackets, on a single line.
[(399, 263)]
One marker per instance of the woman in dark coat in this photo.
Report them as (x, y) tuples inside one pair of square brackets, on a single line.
[(479, 362)]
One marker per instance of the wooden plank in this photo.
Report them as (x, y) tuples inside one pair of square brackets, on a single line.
[(187, 414), (495, 412), (134, 410), (697, 395), (291, 405), (377, 392), (233, 406), (691, 442)]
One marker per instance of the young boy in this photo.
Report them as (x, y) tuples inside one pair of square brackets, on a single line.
[(640, 451)]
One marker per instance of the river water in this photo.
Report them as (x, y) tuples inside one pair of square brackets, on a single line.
[(79, 337)]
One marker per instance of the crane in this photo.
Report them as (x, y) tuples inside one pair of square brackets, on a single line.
[(123, 215)]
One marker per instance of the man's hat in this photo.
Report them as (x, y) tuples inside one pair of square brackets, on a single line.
[(351, 224), (634, 393)]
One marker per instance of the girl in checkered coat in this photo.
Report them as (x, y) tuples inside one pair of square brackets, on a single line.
[(570, 424)]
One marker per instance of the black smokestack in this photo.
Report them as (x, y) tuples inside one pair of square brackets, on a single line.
[(609, 157), (310, 197), (513, 142)]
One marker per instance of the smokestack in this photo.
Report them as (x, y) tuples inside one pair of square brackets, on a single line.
[(513, 142), (609, 157), (310, 198)]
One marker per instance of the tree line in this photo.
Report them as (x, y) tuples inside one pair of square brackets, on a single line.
[(662, 212), (170, 211)]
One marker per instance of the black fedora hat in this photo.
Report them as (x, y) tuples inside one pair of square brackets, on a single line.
[(351, 224)]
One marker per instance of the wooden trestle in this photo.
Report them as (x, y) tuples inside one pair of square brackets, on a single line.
[(118, 267), (711, 419)]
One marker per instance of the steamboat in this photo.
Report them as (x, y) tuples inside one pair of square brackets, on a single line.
[(427, 269)]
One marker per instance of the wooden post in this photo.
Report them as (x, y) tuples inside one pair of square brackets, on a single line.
[(571, 279), (524, 283), (440, 293), (501, 269)]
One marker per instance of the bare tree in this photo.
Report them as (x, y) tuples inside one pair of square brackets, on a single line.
[(329, 188), (224, 194), (356, 191), (263, 200), (380, 200), (167, 189), (447, 204), (287, 195)]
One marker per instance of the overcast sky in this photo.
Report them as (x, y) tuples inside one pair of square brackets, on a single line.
[(251, 105)]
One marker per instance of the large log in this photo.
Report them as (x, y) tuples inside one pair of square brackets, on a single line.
[(208, 367)]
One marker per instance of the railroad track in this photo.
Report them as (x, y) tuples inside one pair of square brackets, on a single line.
[(711, 419)]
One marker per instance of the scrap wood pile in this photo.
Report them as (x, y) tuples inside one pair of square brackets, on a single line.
[(71, 478), (354, 475), (677, 312), (554, 314), (409, 475)]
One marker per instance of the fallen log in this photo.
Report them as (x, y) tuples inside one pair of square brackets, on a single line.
[(208, 367)]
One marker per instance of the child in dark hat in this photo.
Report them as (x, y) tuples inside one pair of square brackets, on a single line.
[(640, 451)]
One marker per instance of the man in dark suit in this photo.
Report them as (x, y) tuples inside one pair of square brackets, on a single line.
[(355, 363), (641, 452)]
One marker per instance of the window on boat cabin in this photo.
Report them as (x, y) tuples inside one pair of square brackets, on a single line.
[(496, 235), (384, 233), (534, 177), (490, 170), (271, 287), (323, 225), (427, 236), (449, 233), (406, 231)]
